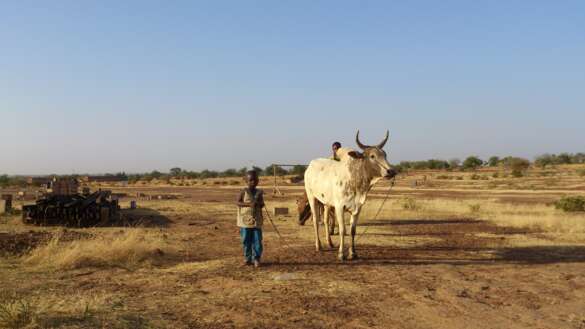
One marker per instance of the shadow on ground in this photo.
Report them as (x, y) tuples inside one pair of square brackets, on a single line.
[(141, 217), (455, 242)]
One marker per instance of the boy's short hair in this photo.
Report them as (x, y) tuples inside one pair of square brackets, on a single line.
[(338, 144), (252, 173)]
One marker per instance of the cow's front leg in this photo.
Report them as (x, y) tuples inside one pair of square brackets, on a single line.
[(341, 224), (315, 214), (326, 220), (353, 223)]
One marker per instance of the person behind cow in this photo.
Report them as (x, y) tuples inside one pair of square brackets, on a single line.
[(250, 204), (303, 203), (336, 146)]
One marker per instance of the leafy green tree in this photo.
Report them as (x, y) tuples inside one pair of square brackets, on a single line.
[(437, 164), (4, 180), (208, 174), (493, 161), (156, 174), (472, 162), (176, 172), (298, 170), (279, 170), (229, 173), (564, 158)]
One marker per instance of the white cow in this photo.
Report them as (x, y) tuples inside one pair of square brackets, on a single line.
[(345, 185)]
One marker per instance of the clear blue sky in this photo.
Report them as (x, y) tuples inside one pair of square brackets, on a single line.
[(103, 86)]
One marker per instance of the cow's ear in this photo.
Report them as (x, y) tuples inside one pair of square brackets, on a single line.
[(356, 155)]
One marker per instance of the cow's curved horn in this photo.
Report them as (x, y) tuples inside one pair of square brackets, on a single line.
[(381, 145), (357, 140)]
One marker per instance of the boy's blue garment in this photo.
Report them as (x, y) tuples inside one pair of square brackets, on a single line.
[(252, 242)]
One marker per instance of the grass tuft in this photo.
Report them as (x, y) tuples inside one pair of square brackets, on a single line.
[(126, 249), (15, 312)]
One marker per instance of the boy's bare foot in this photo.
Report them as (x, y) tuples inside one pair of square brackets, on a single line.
[(256, 263), (247, 263)]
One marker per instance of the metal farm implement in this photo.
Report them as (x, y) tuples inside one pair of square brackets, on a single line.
[(75, 210)]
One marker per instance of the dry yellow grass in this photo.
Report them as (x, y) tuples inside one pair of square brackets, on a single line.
[(540, 216), (125, 249)]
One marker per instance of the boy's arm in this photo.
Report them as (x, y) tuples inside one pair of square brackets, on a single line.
[(241, 202), (260, 201)]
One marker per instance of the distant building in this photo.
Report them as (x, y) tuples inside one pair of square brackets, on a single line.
[(39, 180)]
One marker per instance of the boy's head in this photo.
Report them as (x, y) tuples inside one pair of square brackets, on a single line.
[(336, 146), (252, 178)]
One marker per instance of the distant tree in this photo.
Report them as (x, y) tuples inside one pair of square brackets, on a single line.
[(544, 160), (564, 158), (4, 180), (454, 163), (279, 171), (208, 174), (156, 174), (298, 170), (493, 161), (405, 165), (519, 164), (437, 164), (243, 171), (472, 162), (191, 174), (229, 173), (578, 158), (176, 172)]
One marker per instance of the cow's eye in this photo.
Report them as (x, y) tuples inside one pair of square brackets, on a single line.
[(372, 156)]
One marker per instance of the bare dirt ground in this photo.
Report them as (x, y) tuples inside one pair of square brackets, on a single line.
[(416, 272)]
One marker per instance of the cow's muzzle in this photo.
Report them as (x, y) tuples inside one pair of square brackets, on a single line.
[(391, 173)]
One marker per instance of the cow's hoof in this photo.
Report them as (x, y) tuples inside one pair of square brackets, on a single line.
[(330, 243), (341, 257), (352, 256), (318, 248)]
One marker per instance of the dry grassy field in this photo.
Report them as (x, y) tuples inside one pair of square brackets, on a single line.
[(448, 250)]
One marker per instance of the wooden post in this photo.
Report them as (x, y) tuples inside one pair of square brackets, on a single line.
[(274, 173)]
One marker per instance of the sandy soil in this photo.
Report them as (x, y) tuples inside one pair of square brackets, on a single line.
[(412, 273)]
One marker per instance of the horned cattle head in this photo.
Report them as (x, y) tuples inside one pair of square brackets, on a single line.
[(375, 156)]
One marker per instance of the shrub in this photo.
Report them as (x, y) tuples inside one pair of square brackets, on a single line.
[(475, 177), (443, 177), (581, 172), (496, 175), (459, 178), (517, 173), (410, 204), (15, 312), (474, 208), (571, 204)]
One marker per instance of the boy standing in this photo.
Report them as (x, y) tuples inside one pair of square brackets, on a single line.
[(250, 204)]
